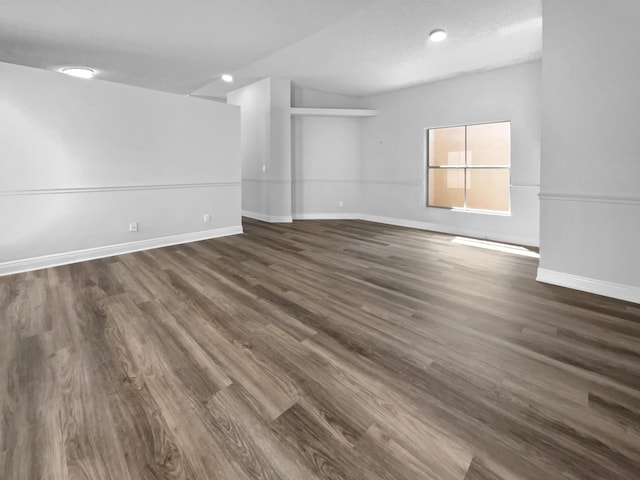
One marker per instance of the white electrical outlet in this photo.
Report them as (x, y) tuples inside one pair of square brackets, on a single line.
[(206, 218), (341, 204), (264, 168), (133, 227)]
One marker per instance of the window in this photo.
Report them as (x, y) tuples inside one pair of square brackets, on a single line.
[(469, 167)]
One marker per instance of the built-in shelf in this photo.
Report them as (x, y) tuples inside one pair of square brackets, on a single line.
[(333, 112)]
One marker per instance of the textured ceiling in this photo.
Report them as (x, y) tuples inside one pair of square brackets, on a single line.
[(384, 47), (171, 45), (355, 47)]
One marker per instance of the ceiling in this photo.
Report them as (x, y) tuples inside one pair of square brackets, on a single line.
[(353, 47)]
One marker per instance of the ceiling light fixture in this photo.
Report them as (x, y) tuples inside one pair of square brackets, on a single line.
[(227, 78), (80, 72), (437, 35)]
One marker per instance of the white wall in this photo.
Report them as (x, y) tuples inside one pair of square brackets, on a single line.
[(255, 105), (308, 97), (280, 148), (265, 148), (327, 157), (394, 150), (327, 163), (590, 222), (81, 159)]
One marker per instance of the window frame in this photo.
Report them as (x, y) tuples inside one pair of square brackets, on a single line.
[(464, 168)]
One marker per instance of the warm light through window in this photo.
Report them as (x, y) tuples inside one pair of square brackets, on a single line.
[(469, 167)]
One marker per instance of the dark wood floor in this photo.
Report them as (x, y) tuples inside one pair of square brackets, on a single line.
[(333, 350)]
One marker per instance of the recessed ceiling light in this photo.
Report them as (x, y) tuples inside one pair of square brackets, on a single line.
[(227, 78), (437, 35), (79, 72)]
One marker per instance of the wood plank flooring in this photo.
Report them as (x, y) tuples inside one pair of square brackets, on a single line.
[(317, 350)]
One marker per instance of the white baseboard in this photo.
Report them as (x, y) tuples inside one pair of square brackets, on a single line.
[(327, 216), (451, 230), (267, 218), (591, 285), (433, 227), (37, 263)]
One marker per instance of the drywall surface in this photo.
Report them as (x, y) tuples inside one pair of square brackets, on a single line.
[(80, 160), (280, 147), (327, 164), (265, 148), (394, 159), (255, 105), (307, 97), (590, 159)]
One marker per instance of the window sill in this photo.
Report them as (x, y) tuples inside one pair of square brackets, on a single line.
[(470, 210)]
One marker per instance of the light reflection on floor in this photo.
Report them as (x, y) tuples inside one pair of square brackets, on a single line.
[(501, 247)]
